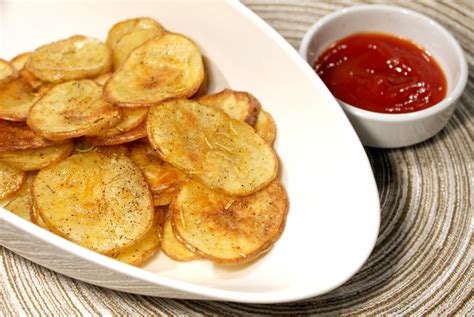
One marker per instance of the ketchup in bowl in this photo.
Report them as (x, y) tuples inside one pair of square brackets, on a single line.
[(381, 73)]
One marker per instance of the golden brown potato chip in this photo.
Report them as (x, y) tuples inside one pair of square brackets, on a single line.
[(265, 126), (11, 180), (131, 118), (98, 201), (16, 136), (229, 230), (131, 41), (19, 61), (140, 252), (125, 137), (36, 218), (35, 159), (102, 79), (160, 176), (166, 67), (238, 105), (221, 152), (77, 57), (173, 248), (125, 27), (16, 99), (7, 72), (21, 202), (72, 109), (32, 80)]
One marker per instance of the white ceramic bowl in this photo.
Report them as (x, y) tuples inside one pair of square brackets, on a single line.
[(333, 219), (394, 130)]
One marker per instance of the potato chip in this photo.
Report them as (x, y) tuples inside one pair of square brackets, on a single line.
[(125, 137), (131, 41), (173, 248), (204, 142), (238, 105), (125, 27), (21, 202), (160, 176), (19, 61), (11, 180), (16, 136), (72, 109), (7, 72), (131, 118), (98, 201), (35, 159), (166, 67), (229, 230), (16, 99), (77, 57), (140, 252), (266, 127)]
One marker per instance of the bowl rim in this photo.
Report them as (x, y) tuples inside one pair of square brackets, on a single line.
[(447, 101)]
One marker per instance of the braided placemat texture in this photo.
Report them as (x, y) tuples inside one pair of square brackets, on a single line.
[(422, 262)]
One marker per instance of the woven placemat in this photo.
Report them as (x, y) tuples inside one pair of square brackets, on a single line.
[(422, 260)]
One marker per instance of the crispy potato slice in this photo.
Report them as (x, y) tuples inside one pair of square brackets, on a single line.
[(32, 80), (36, 218), (102, 79), (16, 99), (166, 67), (229, 230), (21, 203), (131, 118), (131, 41), (125, 137), (160, 176), (265, 126), (140, 252), (77, 57), (11, 180), (221, 152), (100, 202), (16, 136), (72, 109), (238, 105), (35, 159), (173, 248), (7, 72), (125, 27), (164, 198), (19, 61)]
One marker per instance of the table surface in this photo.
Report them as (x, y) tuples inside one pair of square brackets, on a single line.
[(421, 263)]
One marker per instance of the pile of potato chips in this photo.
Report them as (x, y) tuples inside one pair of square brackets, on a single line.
[(116, 146)]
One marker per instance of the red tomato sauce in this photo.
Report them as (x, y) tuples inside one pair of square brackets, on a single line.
[(381, 73)]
